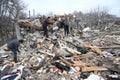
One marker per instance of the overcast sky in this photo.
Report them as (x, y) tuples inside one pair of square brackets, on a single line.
[(69, 6)]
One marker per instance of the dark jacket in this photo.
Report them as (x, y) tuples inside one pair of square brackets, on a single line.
[(46, 23), (13, 45), (65, 22)]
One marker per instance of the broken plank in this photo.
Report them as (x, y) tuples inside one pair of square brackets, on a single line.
[(59, 43), (110, 47), (96, 50), (93, 68), (79, 63), (72, 51), (50, 54), (65, 61)]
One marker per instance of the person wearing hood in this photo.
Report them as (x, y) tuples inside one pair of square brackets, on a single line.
[(14, 47)]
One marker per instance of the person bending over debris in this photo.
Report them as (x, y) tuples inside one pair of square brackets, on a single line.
[(45, 24), (13, 46)]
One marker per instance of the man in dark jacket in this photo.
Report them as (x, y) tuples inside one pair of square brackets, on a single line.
[(66, 26), (13, 46), (45, 24)]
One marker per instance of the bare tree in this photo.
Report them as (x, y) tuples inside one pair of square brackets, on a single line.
[(9, 11), (22, 15), (97, 18)]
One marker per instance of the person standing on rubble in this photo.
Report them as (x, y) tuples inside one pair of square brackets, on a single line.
[(13, 46), (66, 26), (45, 24)]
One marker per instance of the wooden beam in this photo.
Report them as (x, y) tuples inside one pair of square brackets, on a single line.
[(110, 47), (93, 68), (79, 63), (65, 61)]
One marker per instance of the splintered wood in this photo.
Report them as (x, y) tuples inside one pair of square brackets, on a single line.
[(79, 63), (93, 68)]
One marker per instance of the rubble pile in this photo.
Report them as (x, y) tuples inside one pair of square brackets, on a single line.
[(30, 23), (59, 57)]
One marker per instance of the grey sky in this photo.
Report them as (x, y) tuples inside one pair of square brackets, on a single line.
[(69, 6)]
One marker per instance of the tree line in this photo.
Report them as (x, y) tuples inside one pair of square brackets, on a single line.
[(10, 10), (98, 18)]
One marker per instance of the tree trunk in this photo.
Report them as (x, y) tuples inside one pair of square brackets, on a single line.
[(17, 29)]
